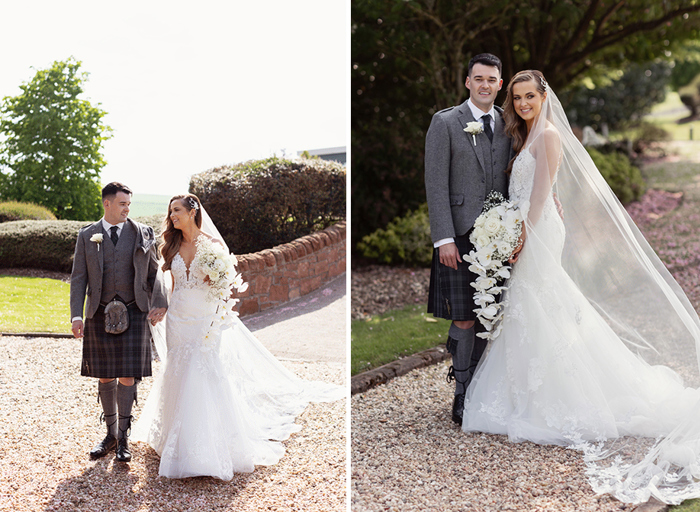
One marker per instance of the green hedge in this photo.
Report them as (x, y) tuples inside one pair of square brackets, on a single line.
[(624, 178), (406, 240), (14, 210), (263, 203), (49, 244)]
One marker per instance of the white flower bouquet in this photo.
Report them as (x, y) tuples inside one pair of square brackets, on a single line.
[(495, 236), (220, 268)]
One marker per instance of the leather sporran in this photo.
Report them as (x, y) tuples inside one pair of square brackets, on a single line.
[(116, 317)]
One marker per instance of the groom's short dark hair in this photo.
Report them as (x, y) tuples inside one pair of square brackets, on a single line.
[(487, 59), (111, 189)]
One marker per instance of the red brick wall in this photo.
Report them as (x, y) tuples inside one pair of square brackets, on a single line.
[(288, 271)]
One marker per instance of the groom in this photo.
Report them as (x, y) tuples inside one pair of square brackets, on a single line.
[(461, 168), (116, 260)]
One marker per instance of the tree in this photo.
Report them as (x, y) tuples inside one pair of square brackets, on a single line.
[(410, 59), (51, 152)]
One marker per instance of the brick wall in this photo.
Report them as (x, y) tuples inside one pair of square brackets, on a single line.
[(288, 271)]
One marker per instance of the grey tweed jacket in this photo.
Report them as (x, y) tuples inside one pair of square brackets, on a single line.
[(88, 261), (457, 173)]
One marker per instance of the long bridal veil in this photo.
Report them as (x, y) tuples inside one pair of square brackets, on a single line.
[(620, 275), (273, 395)]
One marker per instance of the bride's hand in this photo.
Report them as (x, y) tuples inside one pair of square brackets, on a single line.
[(516, 253)]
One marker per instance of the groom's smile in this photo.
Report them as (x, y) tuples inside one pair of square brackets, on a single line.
[(483, 83)]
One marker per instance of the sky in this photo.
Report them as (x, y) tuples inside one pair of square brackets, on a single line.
[(191, 86)]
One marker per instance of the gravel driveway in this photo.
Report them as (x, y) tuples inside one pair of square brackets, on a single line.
[(49, 422)]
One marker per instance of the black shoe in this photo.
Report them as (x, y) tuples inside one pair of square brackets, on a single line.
[(104, 447), (458, 409), (123, 453)]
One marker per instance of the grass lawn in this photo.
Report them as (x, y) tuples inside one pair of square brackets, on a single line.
[(395, 334), (688, 506), (143, 205), (32, 304)]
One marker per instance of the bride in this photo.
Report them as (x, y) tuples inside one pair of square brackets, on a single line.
[(599, 345), (221, 402)]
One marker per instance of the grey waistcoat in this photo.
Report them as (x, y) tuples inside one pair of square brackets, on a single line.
[(118, 271)]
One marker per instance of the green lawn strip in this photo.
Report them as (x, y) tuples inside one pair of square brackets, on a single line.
[(687, 506), (394, 334), (33, 304)]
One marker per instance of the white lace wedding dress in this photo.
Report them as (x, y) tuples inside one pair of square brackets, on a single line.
[(558, 373), (219, 406)]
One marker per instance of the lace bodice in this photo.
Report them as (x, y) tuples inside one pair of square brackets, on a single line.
[(187, 279)]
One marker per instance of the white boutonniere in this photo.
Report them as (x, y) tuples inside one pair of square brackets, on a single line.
[(97, 238), (474, 128)]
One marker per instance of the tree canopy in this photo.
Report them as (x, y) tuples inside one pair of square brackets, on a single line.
[(51, 147), (410, 60)]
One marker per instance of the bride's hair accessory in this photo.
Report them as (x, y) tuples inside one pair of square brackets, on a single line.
[(544, 83), (194, 205)]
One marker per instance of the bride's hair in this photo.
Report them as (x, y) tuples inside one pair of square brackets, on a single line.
[(171, 236), (515, 125)]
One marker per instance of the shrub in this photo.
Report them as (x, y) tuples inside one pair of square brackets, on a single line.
[(405, 240), (624, 178), (14, 210), (263, 203), (48, 245), (45, 244)]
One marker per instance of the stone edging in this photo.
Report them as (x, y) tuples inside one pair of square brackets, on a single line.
[(290, 270), (366, 380)]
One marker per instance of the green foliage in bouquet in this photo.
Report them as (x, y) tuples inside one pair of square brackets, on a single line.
[(260, 204), (14, 210), (405, 240), (624, 178)]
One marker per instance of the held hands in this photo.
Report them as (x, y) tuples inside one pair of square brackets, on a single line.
[(77, 328), (156, 315), (449, 255)]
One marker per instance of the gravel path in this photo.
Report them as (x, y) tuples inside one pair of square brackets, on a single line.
[(49, 422), (408, 455)]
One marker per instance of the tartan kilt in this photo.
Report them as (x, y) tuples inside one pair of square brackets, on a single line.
[(109, 356), (451, 295)]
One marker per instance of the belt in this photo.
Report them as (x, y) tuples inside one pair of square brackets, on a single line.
[(117, 297)]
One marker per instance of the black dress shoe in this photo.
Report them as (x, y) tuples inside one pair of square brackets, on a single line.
[(458, 409), (123, 453), (104, 447)]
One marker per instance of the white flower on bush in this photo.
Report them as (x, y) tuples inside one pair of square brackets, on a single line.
[(495, 236), (97, 238)]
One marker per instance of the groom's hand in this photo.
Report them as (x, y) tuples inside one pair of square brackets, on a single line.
[(449, 255), (77, 328), (156, 315)]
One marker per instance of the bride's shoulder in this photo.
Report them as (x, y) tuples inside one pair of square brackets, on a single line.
[(552, 137), (212, 239)]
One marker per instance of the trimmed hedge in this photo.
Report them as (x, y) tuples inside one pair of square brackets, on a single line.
[(14, 210), (624, 178), (260, 204), (45, 244), (49, 244)]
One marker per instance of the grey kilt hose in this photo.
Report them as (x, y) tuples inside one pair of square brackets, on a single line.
[(451, 295), (108, 356)]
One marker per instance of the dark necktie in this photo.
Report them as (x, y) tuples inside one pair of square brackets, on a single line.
[(114, 235), (486, 119)]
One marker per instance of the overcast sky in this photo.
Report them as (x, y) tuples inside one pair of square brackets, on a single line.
[(189, 86)]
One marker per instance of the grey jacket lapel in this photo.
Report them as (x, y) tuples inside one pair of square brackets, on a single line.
[(95, 252), (467, 117)]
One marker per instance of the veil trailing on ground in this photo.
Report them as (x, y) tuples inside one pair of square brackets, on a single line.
[(620, 275), (252, 369)]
